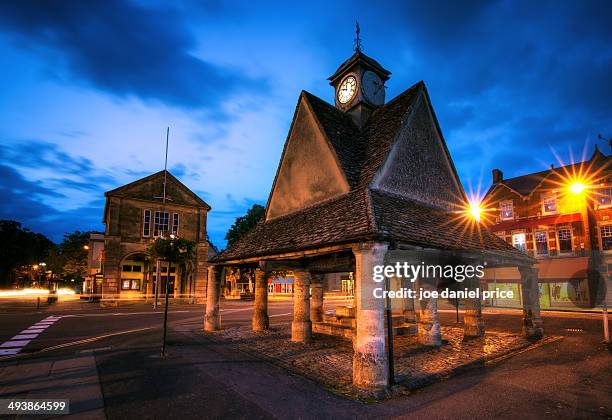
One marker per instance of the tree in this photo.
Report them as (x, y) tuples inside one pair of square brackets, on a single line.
[(174, 250), (20, 249), (245, 223), (73, 256)]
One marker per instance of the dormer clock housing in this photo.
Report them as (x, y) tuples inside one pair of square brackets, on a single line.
[(359, 85)]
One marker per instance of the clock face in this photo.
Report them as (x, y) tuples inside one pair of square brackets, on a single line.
[(373, 88), (347, 89)]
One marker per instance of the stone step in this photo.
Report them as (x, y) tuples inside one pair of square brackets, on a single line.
[(339, 330), (333, 329)]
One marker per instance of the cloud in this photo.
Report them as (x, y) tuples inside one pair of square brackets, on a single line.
[(510, 80), (125, 49), (24, 201)]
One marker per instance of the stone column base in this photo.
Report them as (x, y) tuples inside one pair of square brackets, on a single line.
[(301, 331), (261, 321), (532, 327), (473, 325), (370, 372)]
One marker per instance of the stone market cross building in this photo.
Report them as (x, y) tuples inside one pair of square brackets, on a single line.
[(358, 183)]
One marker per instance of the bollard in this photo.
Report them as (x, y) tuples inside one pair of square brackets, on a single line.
[(37, 303)]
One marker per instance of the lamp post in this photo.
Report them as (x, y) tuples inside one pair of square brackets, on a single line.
[(42, 266), (578, 188), (172, 238)]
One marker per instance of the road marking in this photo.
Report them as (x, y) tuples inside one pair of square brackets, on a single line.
[(18, 342), (25, 336), (124, 313), (32, 331), (288, 313), (15, 343), (75, 343)]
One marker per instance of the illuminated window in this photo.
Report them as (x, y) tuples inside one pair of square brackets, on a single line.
[(175, 223), (565, 240), (507, 210), (541, 239), (604, 197), (549, 204), (518, 241), (146, 223), (125, 284), (135, 285), (606, 237), (162, 220)]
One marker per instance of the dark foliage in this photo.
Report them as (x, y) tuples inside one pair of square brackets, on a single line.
[(245, 223)]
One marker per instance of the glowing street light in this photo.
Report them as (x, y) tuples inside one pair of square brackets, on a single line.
[(85, 247), (475, 211), (577, 188)]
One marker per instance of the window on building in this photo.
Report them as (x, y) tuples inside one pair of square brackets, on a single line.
[(541, 240), (506, 209), (518, 241), (604, 197), (137, 268), (175, 223), (146, 223), (130, 284), (162, 220), (565, 240), (127, 268), (549, 204), (606, 237)]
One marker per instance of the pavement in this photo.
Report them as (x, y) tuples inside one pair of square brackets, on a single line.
[(108, 363)]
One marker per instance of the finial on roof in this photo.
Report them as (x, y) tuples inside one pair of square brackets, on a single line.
[(357, 45)]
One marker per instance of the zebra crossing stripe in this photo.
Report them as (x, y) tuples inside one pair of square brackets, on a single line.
[(18, 342)]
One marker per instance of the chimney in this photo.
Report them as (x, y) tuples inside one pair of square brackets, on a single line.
[(498, 176)]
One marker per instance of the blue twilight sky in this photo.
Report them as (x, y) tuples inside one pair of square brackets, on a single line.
[(88, 87)]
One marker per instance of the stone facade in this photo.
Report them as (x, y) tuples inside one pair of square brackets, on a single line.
[(134, 216)]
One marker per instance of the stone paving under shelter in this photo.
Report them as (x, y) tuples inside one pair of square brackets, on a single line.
[(328, 359)]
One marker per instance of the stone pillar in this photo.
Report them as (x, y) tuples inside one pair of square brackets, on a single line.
[(111, 283), (149, 284), (532, 321), (407, 303), (261, 321), (473, 323), (199, 274), (428, 322), (370, 363), (301, 327), (316, 292), (212, 319)]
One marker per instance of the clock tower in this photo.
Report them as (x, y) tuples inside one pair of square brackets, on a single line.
[(359, 85)]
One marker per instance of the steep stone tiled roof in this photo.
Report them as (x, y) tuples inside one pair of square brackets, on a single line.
[(362, 214), (342, 219), (342, 133), (355, 216), (381, 130), (410, 222)]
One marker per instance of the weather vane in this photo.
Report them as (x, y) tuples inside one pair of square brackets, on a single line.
[(357, 46)]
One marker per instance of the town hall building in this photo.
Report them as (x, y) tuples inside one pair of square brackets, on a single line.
[(134, 216)]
